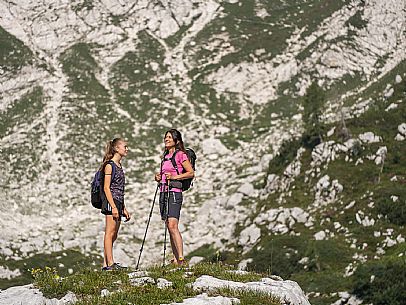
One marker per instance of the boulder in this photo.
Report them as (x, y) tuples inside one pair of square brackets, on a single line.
[(285, 290), (28, 295)]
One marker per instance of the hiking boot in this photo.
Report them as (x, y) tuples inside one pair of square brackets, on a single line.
[(118, 266), (107, 268), (182, 262)]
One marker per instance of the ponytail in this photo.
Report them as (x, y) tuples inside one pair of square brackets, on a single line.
[(109, 151)]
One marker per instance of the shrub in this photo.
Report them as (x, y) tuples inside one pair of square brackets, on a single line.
[(313, 103), (381, 282), (394, 211), (279, 255), (286, 155)]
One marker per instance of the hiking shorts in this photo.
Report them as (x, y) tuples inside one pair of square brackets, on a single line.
[(106, 208), (174, 205)]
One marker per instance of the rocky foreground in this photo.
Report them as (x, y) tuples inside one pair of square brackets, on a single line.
[(288, 292)]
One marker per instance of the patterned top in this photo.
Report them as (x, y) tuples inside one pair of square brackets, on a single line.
[(117, 184)]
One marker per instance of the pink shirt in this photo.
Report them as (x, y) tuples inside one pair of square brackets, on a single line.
[(167, 167)]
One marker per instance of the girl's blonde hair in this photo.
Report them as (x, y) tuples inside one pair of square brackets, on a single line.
[(110, 151)]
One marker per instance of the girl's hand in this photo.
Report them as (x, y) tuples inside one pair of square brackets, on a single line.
[(168, 176), (115, 214), (126, 215), (158, 177)]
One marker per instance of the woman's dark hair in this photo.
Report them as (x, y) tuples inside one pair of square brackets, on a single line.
[(177, 137), (110, 151)]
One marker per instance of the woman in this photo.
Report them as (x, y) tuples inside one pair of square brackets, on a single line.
[(170, 211), (113, 197)]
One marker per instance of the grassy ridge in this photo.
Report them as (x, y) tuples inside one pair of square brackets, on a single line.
[(88, 284)]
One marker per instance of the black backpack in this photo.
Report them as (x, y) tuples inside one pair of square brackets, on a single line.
[(191, 155), (98, 184)]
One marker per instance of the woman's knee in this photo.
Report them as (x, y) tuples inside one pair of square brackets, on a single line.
[(173, 226), (110, 231)]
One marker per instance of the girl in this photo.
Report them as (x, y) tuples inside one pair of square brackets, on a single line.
[(113, 197), (173, 145)]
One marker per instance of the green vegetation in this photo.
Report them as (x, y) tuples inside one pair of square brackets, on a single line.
[(88, 284), (59, 262), (286, 154), (375, 190), (24, 115), (134, 76), (390, 201), (86, 108), (382, 282), (13, 53), (313, 103), (82, 5), (21, 111)]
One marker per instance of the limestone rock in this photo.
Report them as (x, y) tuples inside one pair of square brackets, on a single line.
[(203, 299), (288, 290), (369, 137), (214, 146), (163, 283), (249, 236), (6, 273), (246, 189), (28, 295), (141, 281), (195, 260), (402, 132)]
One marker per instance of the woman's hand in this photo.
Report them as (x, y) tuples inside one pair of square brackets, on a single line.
[(158, 177), (115, 213), (126, 215)]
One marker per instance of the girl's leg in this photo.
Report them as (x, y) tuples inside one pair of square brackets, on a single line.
[(176, 238), (110, 236)]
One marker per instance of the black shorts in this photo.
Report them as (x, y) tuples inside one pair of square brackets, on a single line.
[(106, 207), (174, 205)]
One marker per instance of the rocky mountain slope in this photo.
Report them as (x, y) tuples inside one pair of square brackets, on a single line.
[(231, 76)]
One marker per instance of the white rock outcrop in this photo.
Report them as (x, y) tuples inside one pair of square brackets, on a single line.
[(402, 132), (28, 295), (369, 137), (285, 290), (214, 146), (204, 299)]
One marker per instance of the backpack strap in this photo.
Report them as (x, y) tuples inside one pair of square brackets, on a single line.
[(174, 162), (113, 170)]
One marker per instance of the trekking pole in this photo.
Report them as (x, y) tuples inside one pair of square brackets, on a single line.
[(166, 222), (146, 229)]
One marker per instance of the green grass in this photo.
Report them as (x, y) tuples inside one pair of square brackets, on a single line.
[(388, 284), (21, 111), (62, 261), (87, 285), (26, 116), (327, 259), (13, 53), (83, 5)]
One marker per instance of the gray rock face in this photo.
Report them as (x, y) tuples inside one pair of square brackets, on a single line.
[(214, 146), (28, 295)]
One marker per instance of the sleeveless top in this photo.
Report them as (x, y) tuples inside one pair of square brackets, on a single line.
[(117, 184)]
